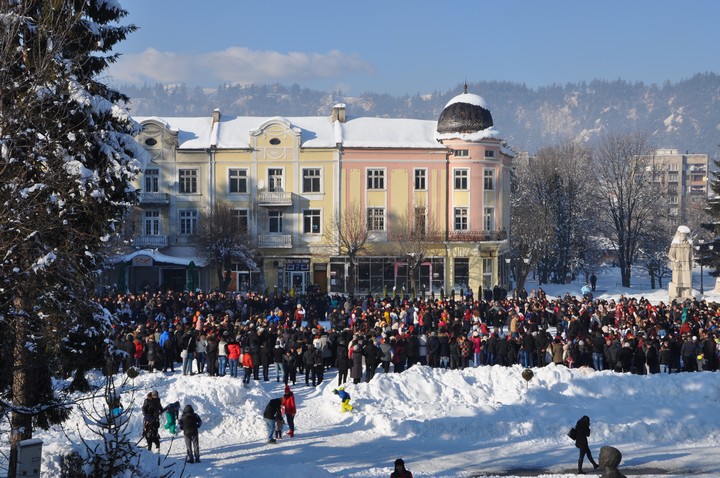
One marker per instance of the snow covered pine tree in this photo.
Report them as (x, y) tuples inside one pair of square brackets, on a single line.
[(66, 161)]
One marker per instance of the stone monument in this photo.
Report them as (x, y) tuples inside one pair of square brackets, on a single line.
[(681, 261), (610, 458)]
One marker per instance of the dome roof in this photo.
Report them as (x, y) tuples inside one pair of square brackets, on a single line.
[(466, 113)]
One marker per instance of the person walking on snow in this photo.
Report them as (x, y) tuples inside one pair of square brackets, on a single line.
[(345, 397), (272, 410), (582, 432), (288, 405), (190, 423)]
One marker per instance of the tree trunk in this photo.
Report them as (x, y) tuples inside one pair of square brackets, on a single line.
[(20, 423)]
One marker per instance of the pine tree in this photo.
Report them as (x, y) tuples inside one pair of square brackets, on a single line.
[(66, 162)]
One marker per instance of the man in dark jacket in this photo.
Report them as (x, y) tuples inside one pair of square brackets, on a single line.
[(190, 422), (273, 410), (151, 409)]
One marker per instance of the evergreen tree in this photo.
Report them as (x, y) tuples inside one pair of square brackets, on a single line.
[(66, 162)]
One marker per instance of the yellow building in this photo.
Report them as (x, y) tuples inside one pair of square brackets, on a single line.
[(432, 198)]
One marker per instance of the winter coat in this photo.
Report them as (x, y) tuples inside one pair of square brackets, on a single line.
[(247, 361), (309, 357), (273, 409), (342, 362), (151, 409), (582, 432), (190, 421), (385, 352), (444, 347), (357, 357), (233, 351), (152, 351), (372, 355), (288, 403)]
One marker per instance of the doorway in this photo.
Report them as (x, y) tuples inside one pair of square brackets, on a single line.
[(297, 281)]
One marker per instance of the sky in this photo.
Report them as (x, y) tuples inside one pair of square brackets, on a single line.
[(484, 421), (418, 46)]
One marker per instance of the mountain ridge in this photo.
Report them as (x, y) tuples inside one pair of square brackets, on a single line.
[(681, 115)]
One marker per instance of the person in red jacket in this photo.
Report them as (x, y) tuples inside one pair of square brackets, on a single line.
[(288, 404), (400, 471), (139, 349), (233, 355), (247, 363)]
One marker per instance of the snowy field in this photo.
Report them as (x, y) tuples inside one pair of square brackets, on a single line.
[(484, 421)]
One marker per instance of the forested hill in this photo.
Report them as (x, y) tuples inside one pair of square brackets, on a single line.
[(683, 115)]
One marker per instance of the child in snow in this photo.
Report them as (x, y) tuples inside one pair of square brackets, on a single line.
[(345, 397), (279, 422), (171, 417)]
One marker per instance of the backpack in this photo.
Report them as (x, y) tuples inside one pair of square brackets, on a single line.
[(572, 433)]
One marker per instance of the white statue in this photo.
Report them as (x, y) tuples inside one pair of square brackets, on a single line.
[(681, 260)]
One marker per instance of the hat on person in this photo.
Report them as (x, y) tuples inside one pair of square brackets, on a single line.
[(287, 388)]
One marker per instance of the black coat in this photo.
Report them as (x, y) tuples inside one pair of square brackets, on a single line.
[(190, 421), (582, 432), (273, 409)]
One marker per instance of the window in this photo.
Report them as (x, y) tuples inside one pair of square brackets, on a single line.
[(275, 221), (673, 177), (461, 272), (188, 221), (489, 153), (461, 219), (489, 219), (240, 221), (420, 221), (461, 153), (152, 180), (487, 273), (376, 219), (151, 223), (311, 180), (188, 181), (489, 180), (461, 178), (275, 180), (673, 199), (238, 180), (275, 141), (311, 221), (420, 176), (376, 179)]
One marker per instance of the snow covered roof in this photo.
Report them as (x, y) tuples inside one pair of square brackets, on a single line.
[(157, 256), (234, 132)]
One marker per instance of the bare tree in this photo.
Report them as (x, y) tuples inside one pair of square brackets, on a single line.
[(626, 194), (348, 233), (224, 237), (415, 239)]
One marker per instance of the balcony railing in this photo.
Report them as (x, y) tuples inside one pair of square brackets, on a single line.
[(477, 236), (154, 199), (275, 241), (274, 198), (150, 241)]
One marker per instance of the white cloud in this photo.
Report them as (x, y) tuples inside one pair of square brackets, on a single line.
[(235, 64)]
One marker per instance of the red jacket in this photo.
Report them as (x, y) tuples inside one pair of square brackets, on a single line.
[(289, 404), (233, 351), (138, 349), (247, 360)]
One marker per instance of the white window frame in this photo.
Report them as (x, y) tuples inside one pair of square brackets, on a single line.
[(489, 219), (151, 222), (375, 179), (375, 219), (461, 153), (240, 177), (461, 175), (489, 177), (312, 179), (188, 181), (276, 182), (489, 153), (312, 215), (461, 219), (420, 175), (277, 218), (152, 180), (187, 222)]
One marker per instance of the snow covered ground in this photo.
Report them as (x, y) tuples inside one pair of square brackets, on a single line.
[(484, 421)]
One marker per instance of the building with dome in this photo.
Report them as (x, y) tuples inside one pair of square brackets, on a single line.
[(340, 203)]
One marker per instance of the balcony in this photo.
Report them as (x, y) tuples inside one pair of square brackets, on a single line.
[(274, 198), (477, 236), (275, 241), (154, 199), (150, 241)]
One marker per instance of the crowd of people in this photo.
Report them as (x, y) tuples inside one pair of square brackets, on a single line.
[(289, 339)]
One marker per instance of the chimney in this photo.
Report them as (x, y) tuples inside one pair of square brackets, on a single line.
[(338, 113), (216, 115)]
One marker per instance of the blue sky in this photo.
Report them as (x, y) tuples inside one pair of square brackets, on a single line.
[(416, 46)]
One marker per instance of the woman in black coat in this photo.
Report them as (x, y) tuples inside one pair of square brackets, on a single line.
[(342, 362), (582, 432)]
